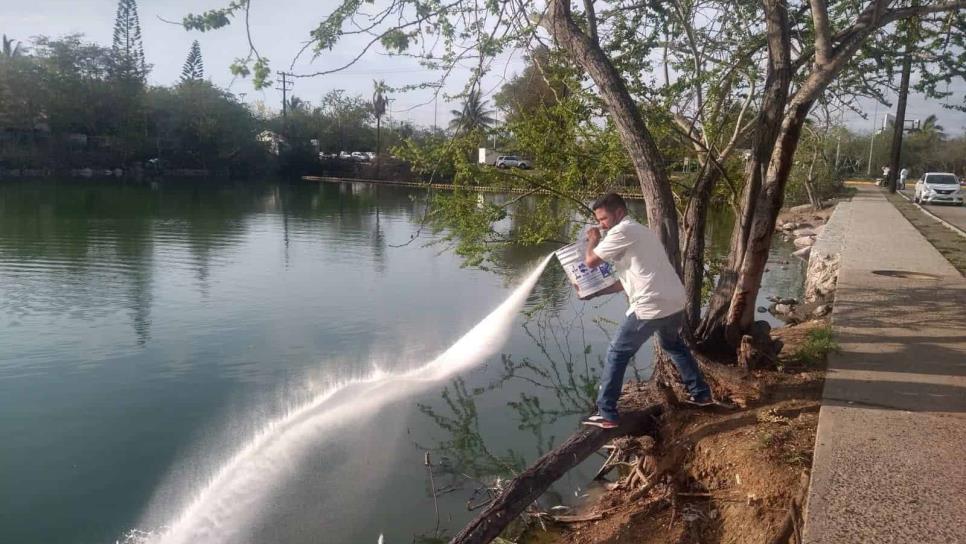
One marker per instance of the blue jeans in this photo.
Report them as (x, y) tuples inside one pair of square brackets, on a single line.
[(632, 334)]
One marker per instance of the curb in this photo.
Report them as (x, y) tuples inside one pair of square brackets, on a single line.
[(947, 224)]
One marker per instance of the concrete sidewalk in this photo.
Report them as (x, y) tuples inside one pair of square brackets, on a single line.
[(890, 453)]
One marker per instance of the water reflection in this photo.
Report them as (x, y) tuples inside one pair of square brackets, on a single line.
[(138, 323), (546, 390)]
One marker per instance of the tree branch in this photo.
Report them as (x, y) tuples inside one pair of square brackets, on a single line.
[(823, 38)]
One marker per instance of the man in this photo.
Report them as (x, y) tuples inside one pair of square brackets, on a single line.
[(656, 299), (903, 175), (885, 177)]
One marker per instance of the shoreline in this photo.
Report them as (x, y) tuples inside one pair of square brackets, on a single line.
[(450, 187)]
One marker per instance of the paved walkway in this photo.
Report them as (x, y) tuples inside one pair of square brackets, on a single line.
[(890, 453)]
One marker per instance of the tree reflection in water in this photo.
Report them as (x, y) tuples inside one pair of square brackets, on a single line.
[(560, 385)]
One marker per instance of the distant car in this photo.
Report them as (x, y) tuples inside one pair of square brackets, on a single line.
[(935, 187), (359, 156), (511, 161)]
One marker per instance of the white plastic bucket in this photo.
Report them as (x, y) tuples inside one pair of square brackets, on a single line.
[(587, 280)]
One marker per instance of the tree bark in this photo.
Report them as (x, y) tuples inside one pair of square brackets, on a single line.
[(694, 221), (741, 313), (895, 156), (647, 160), (531, 483), (711, 331)]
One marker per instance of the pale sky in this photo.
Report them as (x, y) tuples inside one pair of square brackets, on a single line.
[(279, 29)]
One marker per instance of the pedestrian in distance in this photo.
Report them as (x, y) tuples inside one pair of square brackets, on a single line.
[(656, 304), (903, 174), (885, 177)]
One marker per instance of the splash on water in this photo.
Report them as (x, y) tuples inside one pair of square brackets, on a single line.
[(220, 508)]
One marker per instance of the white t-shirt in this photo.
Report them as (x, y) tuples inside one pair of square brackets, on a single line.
[(652, 286)]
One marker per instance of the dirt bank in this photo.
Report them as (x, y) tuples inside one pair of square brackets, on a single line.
[(735, 476)]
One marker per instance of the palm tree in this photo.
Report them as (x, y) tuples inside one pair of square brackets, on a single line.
[(379, 102), (932, 130), (9, 49), (474, 114)]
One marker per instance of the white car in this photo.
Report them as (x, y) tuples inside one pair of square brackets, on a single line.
[(509, 161), (937, 187)]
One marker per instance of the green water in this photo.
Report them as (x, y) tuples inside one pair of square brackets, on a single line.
[(148, 332)]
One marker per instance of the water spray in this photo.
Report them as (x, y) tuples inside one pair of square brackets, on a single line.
[(227, 502)]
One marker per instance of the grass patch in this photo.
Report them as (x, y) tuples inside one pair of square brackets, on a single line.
[(815, 348)]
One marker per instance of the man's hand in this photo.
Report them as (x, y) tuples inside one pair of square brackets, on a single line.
[(593, 238)]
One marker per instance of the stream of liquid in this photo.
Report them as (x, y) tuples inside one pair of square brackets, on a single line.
[(221, 508)]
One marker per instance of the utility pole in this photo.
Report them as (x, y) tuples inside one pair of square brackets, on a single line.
[(838, 148), (900, 123), (875, 116), (286, 85)]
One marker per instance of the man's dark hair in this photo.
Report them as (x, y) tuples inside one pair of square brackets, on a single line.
[(610, 202)]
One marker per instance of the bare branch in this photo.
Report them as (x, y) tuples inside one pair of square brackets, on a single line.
[(591, 16), (823, 38)]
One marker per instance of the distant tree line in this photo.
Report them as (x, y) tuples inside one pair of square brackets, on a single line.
[(69, 103)]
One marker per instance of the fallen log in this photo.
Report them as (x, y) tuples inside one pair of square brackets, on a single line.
[(531, 483)]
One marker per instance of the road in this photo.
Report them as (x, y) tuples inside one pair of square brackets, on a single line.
[(954, 215)]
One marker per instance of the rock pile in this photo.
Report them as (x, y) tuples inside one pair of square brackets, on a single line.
[(802, 233)]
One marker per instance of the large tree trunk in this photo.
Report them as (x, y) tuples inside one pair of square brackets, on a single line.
[(732, 308), (693, 226), (741, 313), (647, 160), (711, 332)]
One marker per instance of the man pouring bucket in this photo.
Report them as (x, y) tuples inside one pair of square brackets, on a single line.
[(656, 304)]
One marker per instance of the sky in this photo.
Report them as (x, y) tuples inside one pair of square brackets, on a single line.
[(279, 29)]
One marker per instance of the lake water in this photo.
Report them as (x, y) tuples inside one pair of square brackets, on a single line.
[(151, 336)]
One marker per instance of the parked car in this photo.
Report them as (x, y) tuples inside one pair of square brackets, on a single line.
[(512, 161), (938, 187), (360, 156)]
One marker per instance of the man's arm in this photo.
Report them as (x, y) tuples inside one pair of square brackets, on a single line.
[(593, 238)]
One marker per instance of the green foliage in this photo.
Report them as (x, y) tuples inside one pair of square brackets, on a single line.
[(927, 149), (199, 125), (260, 67), (816, 347), (194, 67), (543, 82), (342, 122), (815, 171), (465, 446), (379, 100), (396, 40), (213, 19), (70, 86), (473, 116), (9, 49), (127, 49), (330, 29)]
